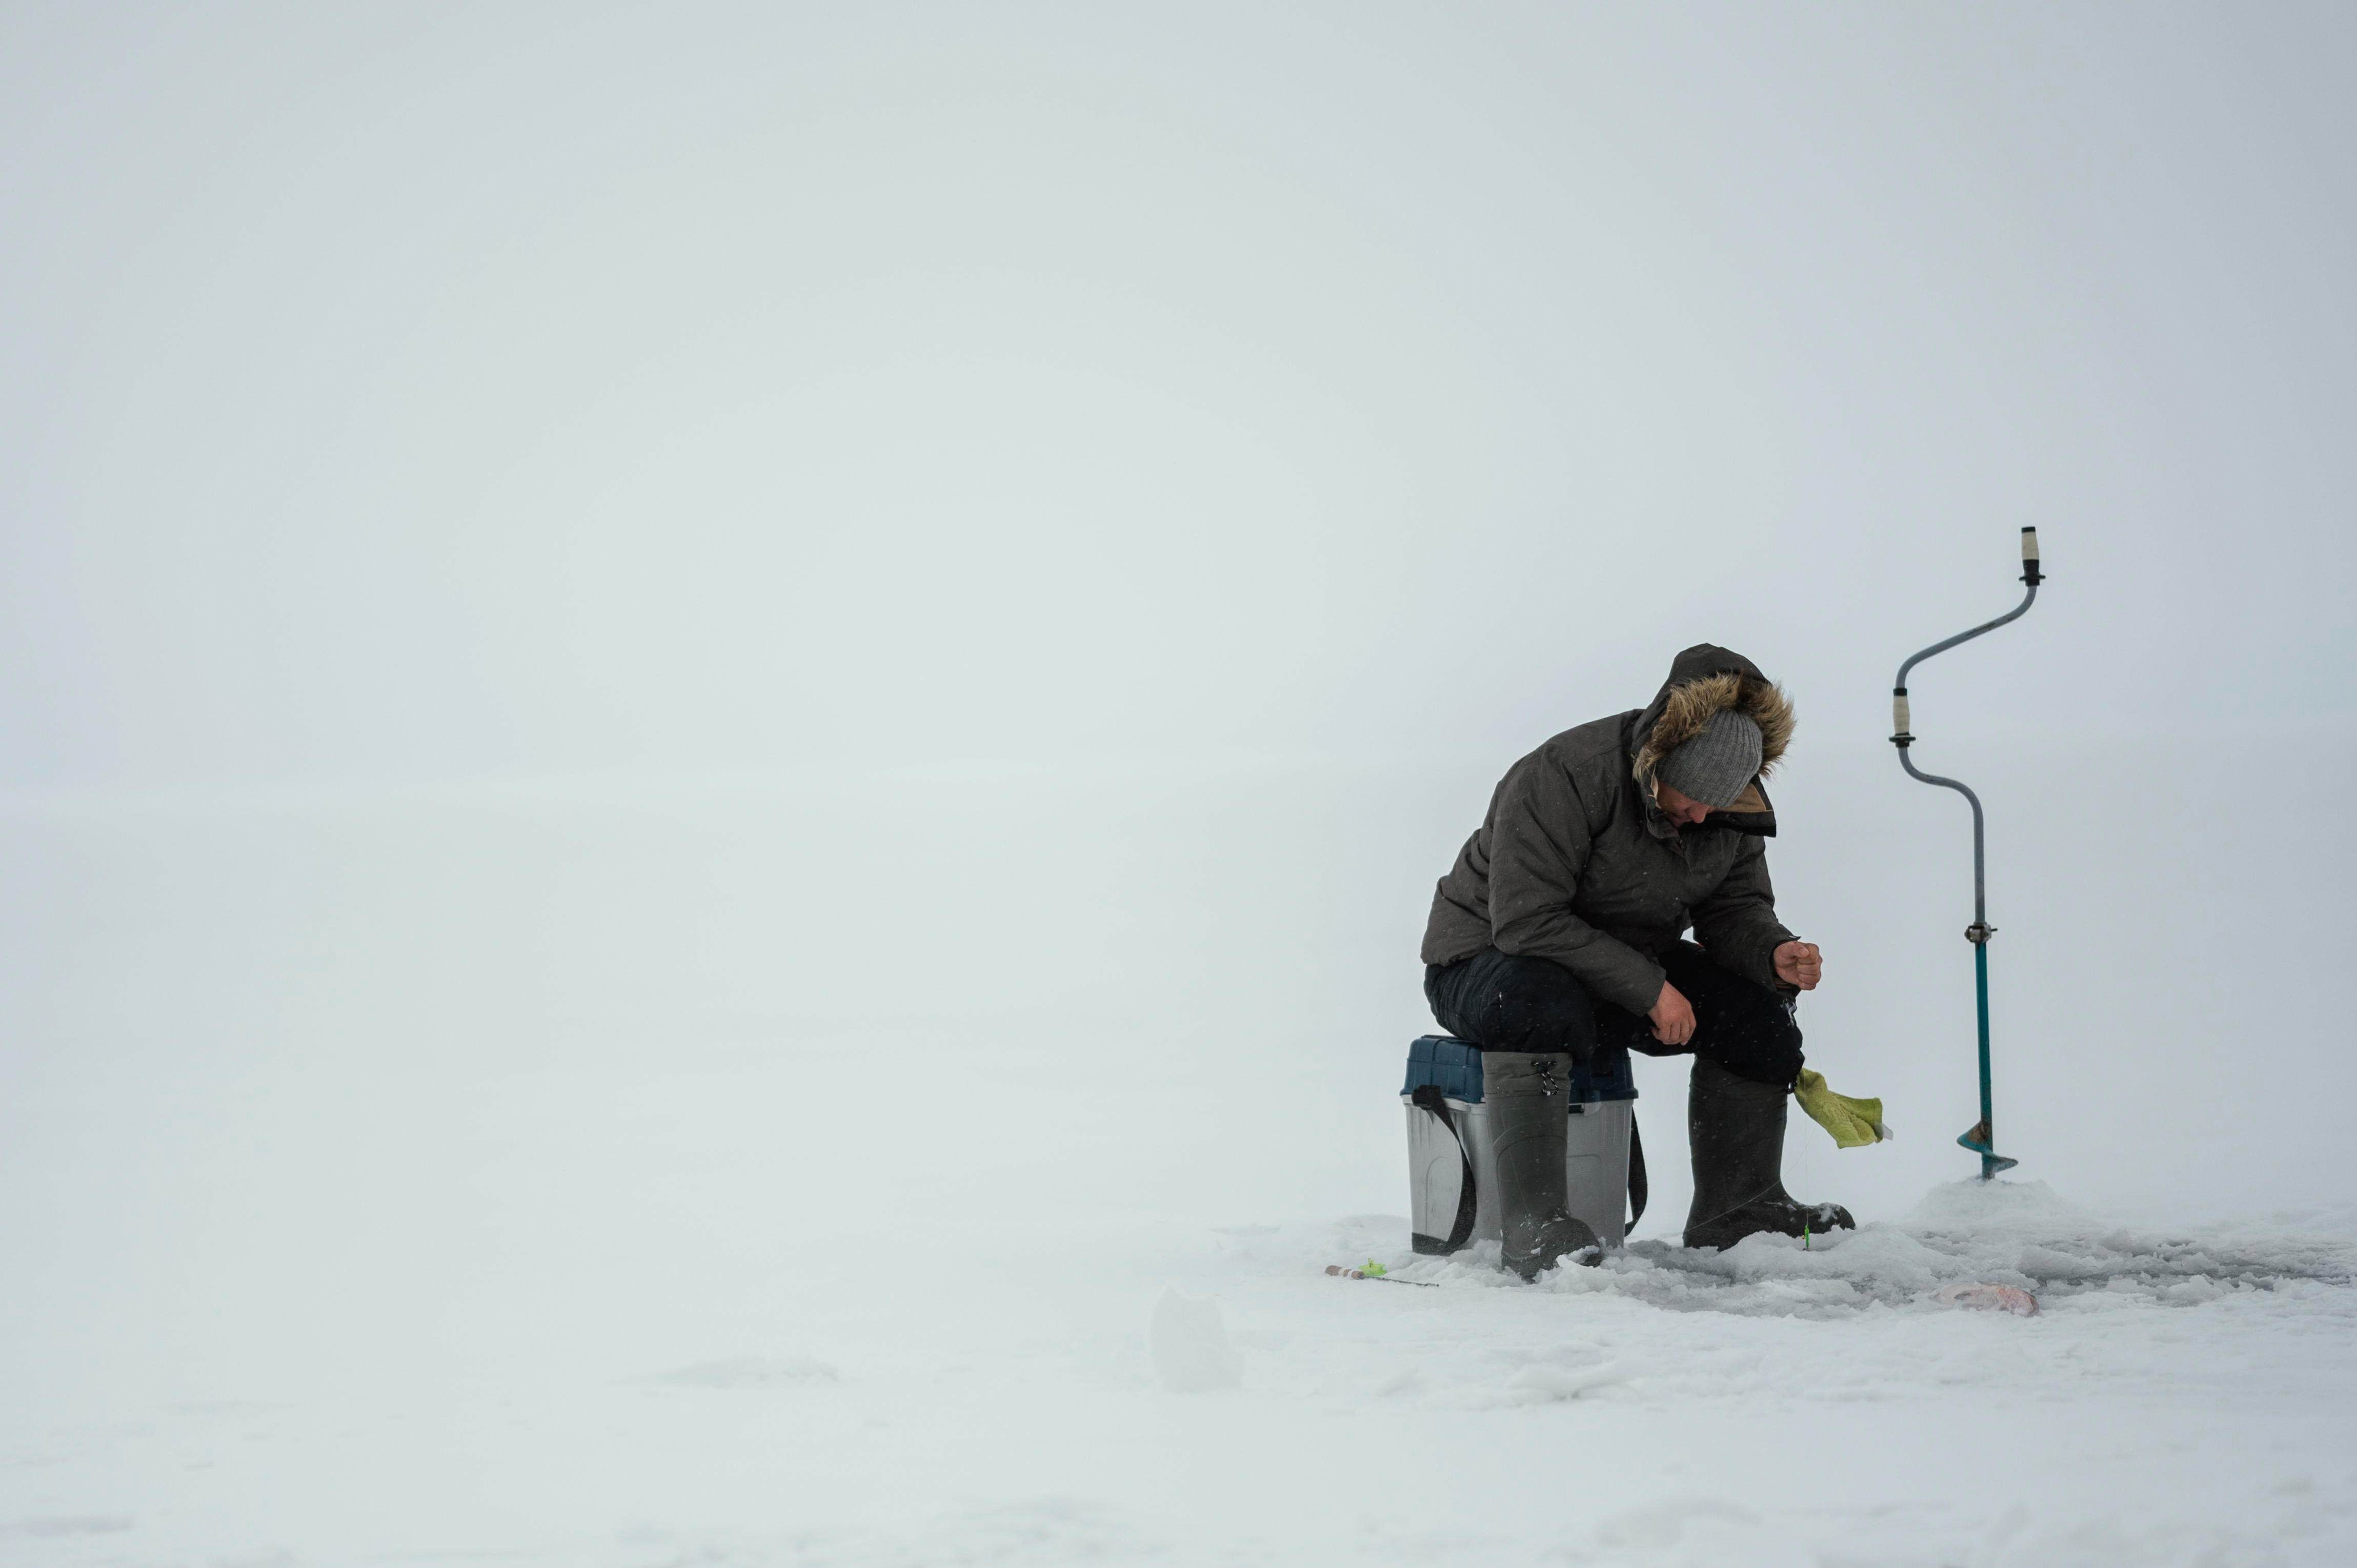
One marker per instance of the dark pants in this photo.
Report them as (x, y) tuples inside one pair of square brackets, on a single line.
[(1502, 1003)]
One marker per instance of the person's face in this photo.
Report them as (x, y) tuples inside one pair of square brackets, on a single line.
[(1680, 808)]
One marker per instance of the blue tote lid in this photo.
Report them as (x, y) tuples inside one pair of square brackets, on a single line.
[(1454, 1068)]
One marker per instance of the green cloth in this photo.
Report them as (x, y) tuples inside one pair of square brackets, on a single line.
[(1853, 1122)]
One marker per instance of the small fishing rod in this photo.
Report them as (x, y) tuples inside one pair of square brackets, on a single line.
[(1981, 1139), (1375, 1271)]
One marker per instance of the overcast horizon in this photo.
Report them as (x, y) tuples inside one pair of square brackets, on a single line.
[(436, 394)]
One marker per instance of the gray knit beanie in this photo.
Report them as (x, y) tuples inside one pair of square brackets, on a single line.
[(1718, 764)]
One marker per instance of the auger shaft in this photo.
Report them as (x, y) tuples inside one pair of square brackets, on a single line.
[(1981, 1139)]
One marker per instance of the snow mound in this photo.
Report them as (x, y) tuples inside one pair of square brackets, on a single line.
[(1044, 1533), (56, 1526), (747, 1372), (1189, 1341)]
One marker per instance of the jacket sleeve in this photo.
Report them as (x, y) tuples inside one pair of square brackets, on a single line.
[(1737, 924), (1539, 844)]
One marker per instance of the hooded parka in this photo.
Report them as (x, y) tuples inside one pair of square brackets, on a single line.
[(1578, 862)]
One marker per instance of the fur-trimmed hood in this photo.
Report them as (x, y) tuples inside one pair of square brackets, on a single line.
[(1706, 680), (1574, 860)]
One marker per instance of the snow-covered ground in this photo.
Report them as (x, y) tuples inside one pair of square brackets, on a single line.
[(2180, 1398), (603, 1184)]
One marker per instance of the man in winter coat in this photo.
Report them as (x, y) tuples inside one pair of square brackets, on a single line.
[(1558, 931)]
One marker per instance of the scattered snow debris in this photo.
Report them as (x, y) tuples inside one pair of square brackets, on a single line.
[(1191, 1353), (2012, 1236), (1989, 1298), (747, 1372)]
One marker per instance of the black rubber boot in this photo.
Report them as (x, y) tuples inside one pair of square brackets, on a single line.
[(1527, 1093), (1737, 1129)]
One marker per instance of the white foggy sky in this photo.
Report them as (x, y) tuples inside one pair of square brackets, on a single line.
[(460, 391)]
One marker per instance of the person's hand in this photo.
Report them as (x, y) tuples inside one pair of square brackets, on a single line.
[(1798, 964), (1673, 1016)]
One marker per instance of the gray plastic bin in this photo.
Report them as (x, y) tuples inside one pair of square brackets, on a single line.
[(1452, 1161)]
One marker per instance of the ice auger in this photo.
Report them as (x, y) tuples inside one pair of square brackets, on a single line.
[(1982, 1138)]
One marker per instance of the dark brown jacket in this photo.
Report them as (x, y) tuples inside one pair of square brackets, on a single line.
[(1576, 863)]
